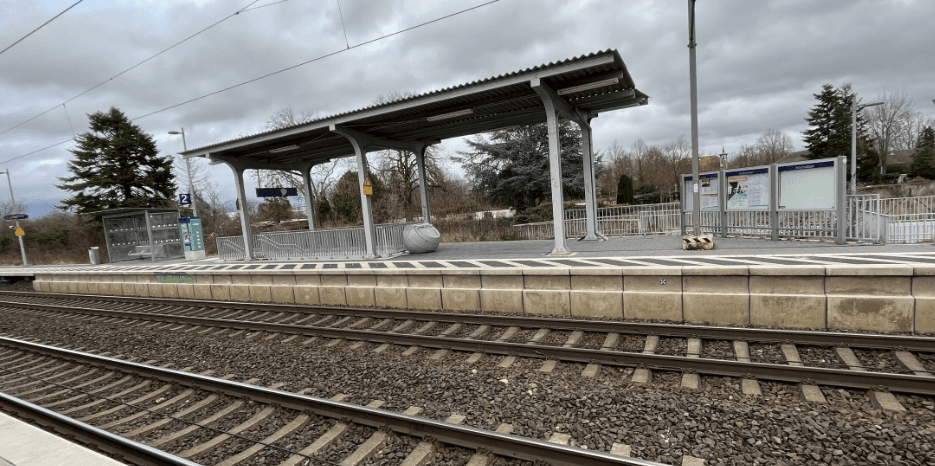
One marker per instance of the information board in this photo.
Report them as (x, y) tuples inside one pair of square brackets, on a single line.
[(708, 191), (807, 186), (748, 189)]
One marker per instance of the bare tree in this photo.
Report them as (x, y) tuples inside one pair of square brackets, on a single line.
[(772, 146), (199, 176), (908, 138), (676, 157), (888, 122), (618, 162), (747, 156), (399, 171), (323, 176), (639, 155)]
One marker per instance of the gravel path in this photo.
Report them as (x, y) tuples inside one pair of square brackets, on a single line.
[(661, 422)]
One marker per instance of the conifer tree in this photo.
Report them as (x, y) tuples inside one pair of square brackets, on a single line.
[(829, 132), (117, 165), (512, 165), (923, 161), (625, 190)]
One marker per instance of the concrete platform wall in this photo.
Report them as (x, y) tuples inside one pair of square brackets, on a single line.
[(884, 298)]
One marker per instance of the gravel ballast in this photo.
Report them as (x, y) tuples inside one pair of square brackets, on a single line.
[(661, 422)]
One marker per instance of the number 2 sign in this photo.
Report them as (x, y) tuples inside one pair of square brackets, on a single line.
[(185, 199)]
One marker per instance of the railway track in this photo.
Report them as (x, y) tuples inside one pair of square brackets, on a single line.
[(151, 415), (879, 363)]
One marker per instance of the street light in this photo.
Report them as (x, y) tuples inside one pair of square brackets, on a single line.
[(188, 166), (854, 109), (22, 248)]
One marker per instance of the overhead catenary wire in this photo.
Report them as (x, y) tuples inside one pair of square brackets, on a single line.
[(138, 64), (40, 27), (282, 70), (69, 121), (322, 57), (346, 42)]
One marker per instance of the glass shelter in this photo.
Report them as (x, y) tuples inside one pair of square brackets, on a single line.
[(142, 234)]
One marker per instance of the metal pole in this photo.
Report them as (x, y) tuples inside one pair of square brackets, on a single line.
[(696, 213), (854, 149), (22, 247), (188, 165)]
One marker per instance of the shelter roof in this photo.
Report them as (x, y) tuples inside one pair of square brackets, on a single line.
[(590, 84)]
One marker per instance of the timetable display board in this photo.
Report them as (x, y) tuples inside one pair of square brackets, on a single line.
[(748, 189), (808, 186), (708, 190)]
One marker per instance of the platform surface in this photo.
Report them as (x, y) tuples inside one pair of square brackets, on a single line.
[(22, 444), (640, 251)]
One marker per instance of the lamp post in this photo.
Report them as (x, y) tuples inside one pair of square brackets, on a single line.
[(693, 84), (22, 247), (188, 167), (854, 109)]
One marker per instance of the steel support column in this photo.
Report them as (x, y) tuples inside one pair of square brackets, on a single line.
[(423, 185), (239, 169), (309, 196), (555, 105), (360, 150), (590, 192)]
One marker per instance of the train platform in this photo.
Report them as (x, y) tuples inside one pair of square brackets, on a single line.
[(641, 251), (22, 444), (745, 282)]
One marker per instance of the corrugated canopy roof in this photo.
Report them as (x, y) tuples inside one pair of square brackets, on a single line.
[(592, 84)]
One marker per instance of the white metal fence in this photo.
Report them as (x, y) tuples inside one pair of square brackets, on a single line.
[(869, 219), (647, 219), (332, 243), (231, 248)]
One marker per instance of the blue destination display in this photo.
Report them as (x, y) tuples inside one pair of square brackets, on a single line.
[(806, 166), (701, 177), (757, 171), (276, 192), (15, 217)]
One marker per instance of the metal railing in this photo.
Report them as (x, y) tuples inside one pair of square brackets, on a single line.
[(864, 221), (906, 205), (231, 248), (648, 219), (332, 243), (710, 222), (909, 228)]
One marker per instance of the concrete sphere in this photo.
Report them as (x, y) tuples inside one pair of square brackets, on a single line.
[(421, 238)]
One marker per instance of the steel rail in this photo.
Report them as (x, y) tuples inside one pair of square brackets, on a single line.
[(804, 337), (721, 367), (464, 436), (126, 449)]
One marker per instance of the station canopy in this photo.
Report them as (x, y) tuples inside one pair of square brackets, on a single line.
[(588, 84)]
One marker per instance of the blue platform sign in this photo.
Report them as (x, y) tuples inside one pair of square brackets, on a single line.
[(15, 217), (185, 199), (276, 192)]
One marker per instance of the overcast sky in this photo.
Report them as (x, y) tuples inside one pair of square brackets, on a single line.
[(759, 64)]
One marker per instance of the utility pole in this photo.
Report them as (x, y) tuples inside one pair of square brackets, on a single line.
[(696, 196), (22, 247)]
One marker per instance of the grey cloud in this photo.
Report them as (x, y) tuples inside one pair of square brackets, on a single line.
[(759, 63)]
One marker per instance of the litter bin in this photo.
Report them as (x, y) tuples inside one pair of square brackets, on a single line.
[(95, 255)]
